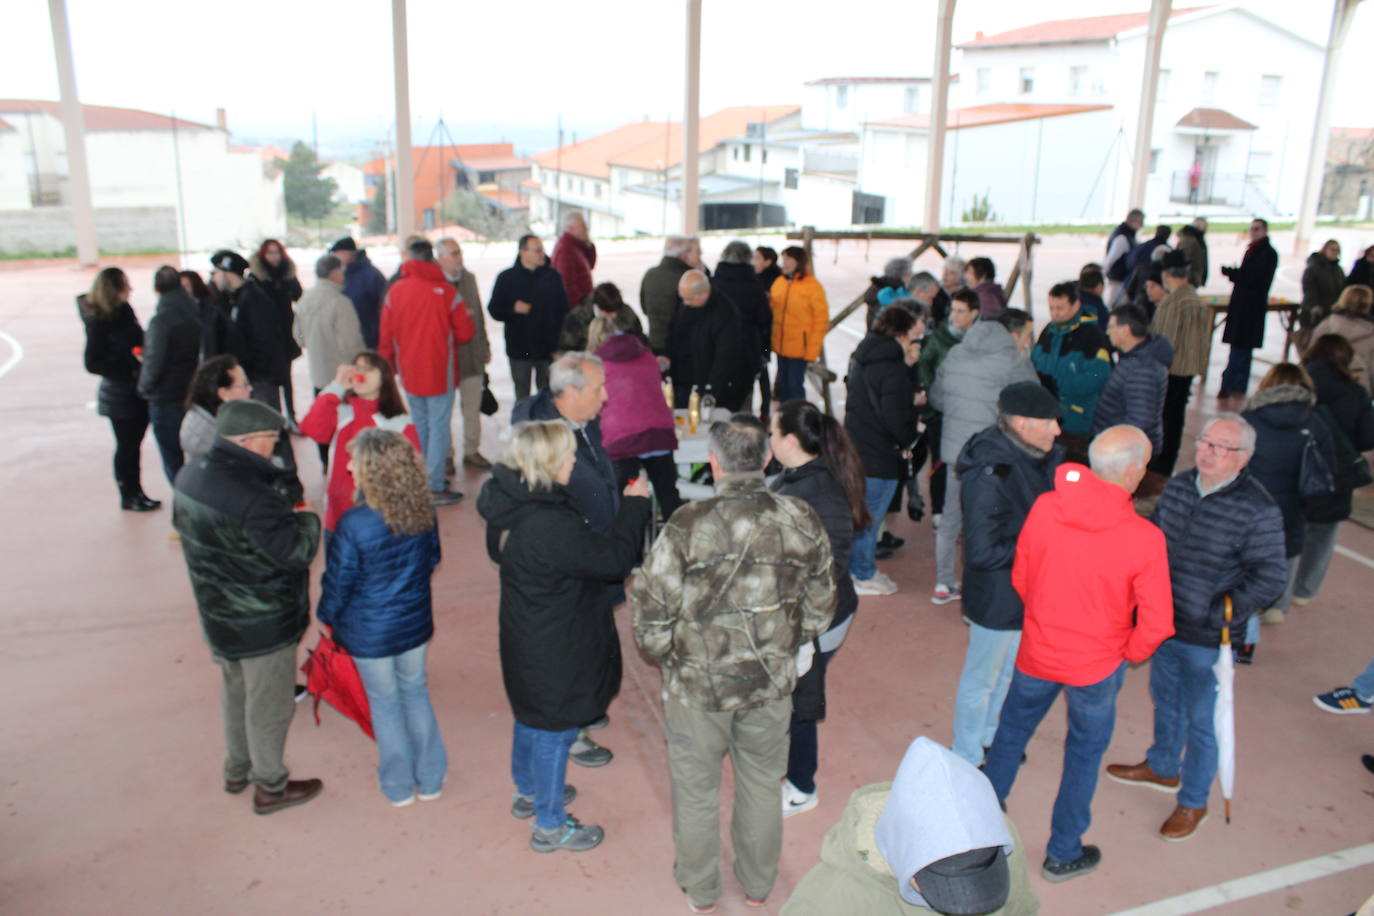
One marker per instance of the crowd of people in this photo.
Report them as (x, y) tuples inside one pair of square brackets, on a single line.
[(1035, 449)]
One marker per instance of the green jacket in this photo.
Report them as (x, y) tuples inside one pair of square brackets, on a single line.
[(853, 876), (658, 299), (933, 352), (733, 586), (247, 550)]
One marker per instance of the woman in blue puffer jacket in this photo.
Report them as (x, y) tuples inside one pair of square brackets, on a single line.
[(376, 595)]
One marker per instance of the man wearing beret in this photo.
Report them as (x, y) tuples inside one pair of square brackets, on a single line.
[(1094, 578), (1002, 471), (248, 552)]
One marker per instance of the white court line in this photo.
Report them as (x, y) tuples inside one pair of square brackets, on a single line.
[(16, 354), (1260, 883), (848, 330), (1352, 555)]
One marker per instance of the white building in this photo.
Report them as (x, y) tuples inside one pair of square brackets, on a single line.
[(1235, 94), (349, 178), (844, 103), (157, 183)]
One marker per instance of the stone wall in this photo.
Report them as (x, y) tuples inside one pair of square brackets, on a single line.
[(118, 230)]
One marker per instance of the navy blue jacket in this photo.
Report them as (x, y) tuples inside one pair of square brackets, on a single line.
[(593, 483), (1134, 393), (1283, 419), (999, 482), (364, 285), (375, 590), (1229, 543), (533, 335)]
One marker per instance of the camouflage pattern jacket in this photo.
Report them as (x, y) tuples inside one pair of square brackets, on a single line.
[(733, 586)]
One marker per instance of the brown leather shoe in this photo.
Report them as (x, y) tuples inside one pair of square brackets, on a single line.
[(477, 460), (1141, 775), (1183, 823), (235, 786), (297, 792)]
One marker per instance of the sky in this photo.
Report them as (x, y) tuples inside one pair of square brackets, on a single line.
[(491, 75)]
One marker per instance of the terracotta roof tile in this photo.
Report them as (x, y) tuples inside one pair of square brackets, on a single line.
[(983, 115), (1059, 31), (1214, 119), (101, 117)]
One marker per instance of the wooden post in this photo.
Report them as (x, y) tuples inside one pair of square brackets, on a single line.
[(1028, 257)]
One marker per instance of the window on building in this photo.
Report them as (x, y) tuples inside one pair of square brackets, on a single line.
[(735, 150), (597, 187), (486, 178), (748, 151), (842, 97), (763, 154), (1155, 155), (984, 80), (1209, 86), (1078, 81), (789, 179), (1162, 90), (1027, 80), (1270, 87), (911, 100)]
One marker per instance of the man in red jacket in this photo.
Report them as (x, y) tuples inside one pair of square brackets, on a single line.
[(423, 322), (1084, 620), (574, 256)]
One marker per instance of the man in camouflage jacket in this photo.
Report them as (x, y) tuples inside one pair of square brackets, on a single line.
[(734, 588)]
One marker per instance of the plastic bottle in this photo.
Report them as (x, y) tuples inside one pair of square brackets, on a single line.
[(668, 392), (693, 411), (708, 405)]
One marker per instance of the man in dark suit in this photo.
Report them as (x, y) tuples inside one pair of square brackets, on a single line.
[(1249, 302)]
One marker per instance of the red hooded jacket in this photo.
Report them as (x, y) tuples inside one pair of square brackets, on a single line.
[(574, 260), (423, 321), (1094, 577)]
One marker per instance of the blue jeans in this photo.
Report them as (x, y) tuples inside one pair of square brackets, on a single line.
[(539, 767), (410, 750), (878, 492), (1184, 691), (1092, 716), (432, 416), (1236, 376), (790, 383), (988, 667), (1318, 544), (166, 423), (1364, 684)]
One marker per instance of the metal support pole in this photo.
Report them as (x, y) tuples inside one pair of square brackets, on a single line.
[(1342, 16), (74, 127), (691, 120), (939, 114), (1149, 89), (405, 162)]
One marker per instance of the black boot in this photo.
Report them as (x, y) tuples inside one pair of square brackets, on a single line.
[(133, 499)]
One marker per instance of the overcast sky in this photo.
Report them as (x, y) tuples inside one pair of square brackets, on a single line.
[(496, 70)]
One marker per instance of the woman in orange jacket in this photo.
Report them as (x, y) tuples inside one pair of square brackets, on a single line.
[(801, 317)]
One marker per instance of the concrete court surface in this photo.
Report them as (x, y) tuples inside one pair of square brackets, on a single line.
[(110, 763)]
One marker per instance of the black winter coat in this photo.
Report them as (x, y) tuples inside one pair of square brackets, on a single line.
[(815, 485), (533, 335), (709, 346), (1283, 419), (171, 349), (283, 289), (1346, 405), (1229, 543), (593, 484), (999, 481), (109, 354), (1322, 282), (560, 653), (879, 413), (1250, 295), (261, 339), (739, 284), (1134, 393), (247, 550)]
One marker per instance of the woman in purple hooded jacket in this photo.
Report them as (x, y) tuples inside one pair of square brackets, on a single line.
[(636, 423)]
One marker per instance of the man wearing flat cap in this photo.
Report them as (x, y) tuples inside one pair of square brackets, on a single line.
[(260, 333), (1094, 578), (248, 552), (1002, 471), (932, 840)]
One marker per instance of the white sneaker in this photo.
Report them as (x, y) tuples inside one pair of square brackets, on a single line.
[(944, 594), (795, 801), (880, 584), (935, 522)]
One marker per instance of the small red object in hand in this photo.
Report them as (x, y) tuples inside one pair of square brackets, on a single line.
[(633, 481), (302, 506), (359, 378), (138, 351)]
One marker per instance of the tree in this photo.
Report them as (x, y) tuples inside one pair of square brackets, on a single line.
[(471, 210), (308, 196), (376, 216)]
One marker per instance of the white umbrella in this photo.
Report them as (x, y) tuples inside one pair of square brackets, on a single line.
[(1224, 714)]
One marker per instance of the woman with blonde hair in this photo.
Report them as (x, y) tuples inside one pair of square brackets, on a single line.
[(560, 654), (376, 595), (114, 351), (1350, 317)]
